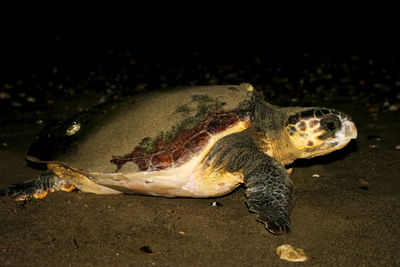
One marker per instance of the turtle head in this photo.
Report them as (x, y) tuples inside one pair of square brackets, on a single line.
[(318, 131)]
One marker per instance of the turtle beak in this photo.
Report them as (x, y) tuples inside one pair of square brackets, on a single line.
[(350, 130), (344, 136)]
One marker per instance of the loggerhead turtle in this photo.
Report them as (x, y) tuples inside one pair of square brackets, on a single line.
[(194, 142)]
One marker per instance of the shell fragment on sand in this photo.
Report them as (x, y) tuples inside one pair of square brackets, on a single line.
[(289, 253)]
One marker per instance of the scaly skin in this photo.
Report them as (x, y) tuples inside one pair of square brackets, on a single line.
[(267, 180), (268, 191), (37, 188)]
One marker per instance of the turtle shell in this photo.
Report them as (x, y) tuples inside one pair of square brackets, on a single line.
[(155, 131)]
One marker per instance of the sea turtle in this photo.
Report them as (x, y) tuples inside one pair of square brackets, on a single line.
[(191, 142)]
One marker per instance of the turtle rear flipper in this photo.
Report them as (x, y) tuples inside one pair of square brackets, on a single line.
[(78, 180), (61, 178), (37, 188)]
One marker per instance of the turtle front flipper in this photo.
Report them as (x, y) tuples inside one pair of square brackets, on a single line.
[(38, 188), (268, 192), (267, 180)]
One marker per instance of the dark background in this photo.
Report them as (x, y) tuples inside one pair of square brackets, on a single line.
[(45, 59)]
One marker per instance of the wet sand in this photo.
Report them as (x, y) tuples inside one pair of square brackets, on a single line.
[(348, 216)]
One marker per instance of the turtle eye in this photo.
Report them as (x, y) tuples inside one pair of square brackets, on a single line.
[(331, 123), (73, 128)]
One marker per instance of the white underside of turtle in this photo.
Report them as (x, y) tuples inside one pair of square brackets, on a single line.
[(188, 180)]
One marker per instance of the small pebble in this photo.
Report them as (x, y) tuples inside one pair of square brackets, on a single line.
[(216, 204), (289, 253), (4, 95), (375, 137), (146, 249), (140, 87), (363, 184), (8, 86), (31, 99), (393, 108), (102, 99), (16, 104)]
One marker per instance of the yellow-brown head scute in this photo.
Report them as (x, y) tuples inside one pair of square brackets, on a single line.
[(318, 131)]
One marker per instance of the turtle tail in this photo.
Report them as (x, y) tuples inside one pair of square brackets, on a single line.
[(36, 189)]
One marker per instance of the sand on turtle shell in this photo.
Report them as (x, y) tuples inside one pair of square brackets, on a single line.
[(117, 129)]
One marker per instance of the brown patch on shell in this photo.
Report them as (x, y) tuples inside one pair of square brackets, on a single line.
[(161, 161), (180, 155), (196, 143), (219, 123), (179, 149)]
